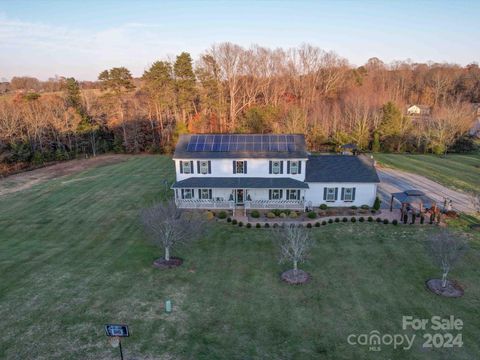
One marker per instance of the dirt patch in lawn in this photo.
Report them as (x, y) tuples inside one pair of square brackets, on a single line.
[(295, 277), (161, 263), (27, 179), (452, 289)]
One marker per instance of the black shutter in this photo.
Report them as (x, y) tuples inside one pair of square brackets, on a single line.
[(270, 167), (198, 167), (288, 195), (298, 194), (234, 167), (210, 194), (281, 167), (324, 193), (199, 193), (183, 193), (209, 167), (336, 193), (288, 167), (281, 194), (244, 167), (299, 167), (269, 194), (191, 167), (342, 197), (353, 194), (181, 168), (193, 193)]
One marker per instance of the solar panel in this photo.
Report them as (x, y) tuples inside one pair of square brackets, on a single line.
[(242, 143)]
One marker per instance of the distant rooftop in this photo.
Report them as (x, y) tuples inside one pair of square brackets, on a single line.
[(218, 146)]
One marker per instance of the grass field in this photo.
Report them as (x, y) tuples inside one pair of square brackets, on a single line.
[(454, 170), (73, 257)]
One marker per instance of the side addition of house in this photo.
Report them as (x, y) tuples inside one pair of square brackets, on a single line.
[(229, 171)]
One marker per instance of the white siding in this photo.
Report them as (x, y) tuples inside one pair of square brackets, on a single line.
[(255, 168), (365, 193)]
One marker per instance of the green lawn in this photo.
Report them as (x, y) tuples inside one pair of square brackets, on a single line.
[(73, 257), (454, 170)]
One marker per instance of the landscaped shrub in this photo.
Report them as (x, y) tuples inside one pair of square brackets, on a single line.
[(370, 219), (267, 225), (373, 211), (361, 219), (293, 215), (229, 219), (283, 215), (385, 221), (309, 225), (353, 219), (422, 219), (344, 219), (258, 226), (287, 211), (365, 207), (222, 215), (353, 207), (255, 214), (376, 204), (249, 225), (240, 223), (275, 225), (330, 221), (209, 215), (270, 215), (276, 212), (337, 220), (323, 207), (395, 222), (312, 214), (324, 222), (379, 220), (317, 224), (234, 222)]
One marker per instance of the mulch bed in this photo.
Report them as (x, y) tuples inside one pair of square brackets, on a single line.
[(161, 263), (452, 289), (295, 277)]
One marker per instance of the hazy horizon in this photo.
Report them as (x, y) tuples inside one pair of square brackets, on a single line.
[(47, 38)]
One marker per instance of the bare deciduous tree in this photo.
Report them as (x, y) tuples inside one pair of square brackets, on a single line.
[(169, 226), (446, 249), (294, 242)]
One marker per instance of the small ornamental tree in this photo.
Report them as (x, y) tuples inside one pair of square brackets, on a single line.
[(294, 243), (169, 226), (446, 249)]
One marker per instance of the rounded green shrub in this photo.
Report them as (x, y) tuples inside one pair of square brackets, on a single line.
[(379, 220), (293, 215), (317, 224), (344, 219), (229, 219), (249, 225), (255, 214), (385, 221), (353, 207), (330, 221), (234, 222), (222, 215), (370, 219), (353, 219), (395, 222), (271, 215), (309, 225), (283, 215), (365, 207), (240, 223), (267, 225), (324, 222), (361, 219), (312, 215), (323, 207), (258, 226)]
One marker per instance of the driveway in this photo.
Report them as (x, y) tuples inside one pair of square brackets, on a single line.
[(392, 180)]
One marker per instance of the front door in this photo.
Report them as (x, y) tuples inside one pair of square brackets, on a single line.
[(239, 193)]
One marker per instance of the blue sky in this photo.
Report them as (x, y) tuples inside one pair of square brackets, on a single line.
[(81, 38)]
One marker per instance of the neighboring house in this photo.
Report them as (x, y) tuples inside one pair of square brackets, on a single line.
[(229, 171), (419, 110)]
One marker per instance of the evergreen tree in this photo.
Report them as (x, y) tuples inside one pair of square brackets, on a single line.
[(184, 84)]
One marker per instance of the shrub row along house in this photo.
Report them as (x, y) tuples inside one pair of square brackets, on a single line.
[(255, 171)]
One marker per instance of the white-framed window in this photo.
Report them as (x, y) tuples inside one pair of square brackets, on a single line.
[(294, 167), (240, 167), (293, 194), (276, 194), (330, 194), (205, 193), (348, 194), (187, 193), (186, 167), (276, 167), (203, 167)]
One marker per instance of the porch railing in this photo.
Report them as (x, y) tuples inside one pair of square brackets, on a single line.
[(203, 204), (275, 204)]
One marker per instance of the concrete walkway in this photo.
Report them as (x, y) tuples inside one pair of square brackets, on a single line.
[(393, 180)]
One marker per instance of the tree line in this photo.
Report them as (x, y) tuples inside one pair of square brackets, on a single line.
[(230, 88)]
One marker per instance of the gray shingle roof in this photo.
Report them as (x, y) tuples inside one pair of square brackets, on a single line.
[(241, 183), (340, 168), (297, 151)]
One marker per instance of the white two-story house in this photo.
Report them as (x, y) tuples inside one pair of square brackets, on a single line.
[(254, 171)]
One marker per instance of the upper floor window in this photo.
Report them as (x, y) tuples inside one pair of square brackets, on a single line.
[(186, 167), (330, 194), (204, 167), (276, 167), (294, 167), (239, 167)]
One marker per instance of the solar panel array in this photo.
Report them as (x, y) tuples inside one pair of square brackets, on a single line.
[(218, 143)]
